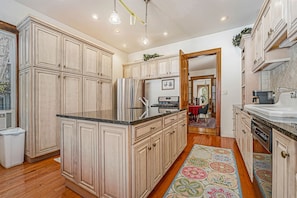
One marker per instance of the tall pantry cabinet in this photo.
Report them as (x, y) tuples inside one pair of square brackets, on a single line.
[(54, 70)]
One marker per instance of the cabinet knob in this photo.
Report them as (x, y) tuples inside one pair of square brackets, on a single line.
[(64, 66), (173, 131), (243, 131), (149, 148), (64, 77), (154, 145), (284, 154), (152, 128), (59, 76), (59, 65), (184, 125)]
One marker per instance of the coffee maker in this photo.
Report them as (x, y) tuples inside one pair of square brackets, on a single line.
[(263, 97)]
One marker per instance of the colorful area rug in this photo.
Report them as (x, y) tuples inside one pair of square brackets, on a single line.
[(263, 173), (208, 172), (208, 123)]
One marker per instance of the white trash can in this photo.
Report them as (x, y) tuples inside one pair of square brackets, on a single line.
[(12, 146)]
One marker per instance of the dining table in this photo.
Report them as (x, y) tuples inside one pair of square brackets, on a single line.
[(193, 109)]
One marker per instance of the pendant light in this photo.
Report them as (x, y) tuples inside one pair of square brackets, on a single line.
[(114, 17), (145, 39)]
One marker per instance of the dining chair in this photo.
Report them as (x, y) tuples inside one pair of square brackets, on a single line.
[(202, 111)]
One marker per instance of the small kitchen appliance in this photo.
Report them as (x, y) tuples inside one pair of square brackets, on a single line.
[(263, 97)]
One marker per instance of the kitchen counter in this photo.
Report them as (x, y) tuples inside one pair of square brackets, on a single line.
[(286, 126), (127, 117), (106, 153)]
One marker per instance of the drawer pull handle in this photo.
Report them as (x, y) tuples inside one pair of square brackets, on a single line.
[(64, 66), (285, 154), (154, 145), (184, 125), (149, 148), (59, 65), (172, 119), (152, 128)]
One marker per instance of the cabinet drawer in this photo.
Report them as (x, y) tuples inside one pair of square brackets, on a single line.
[(182, 115), (169, 120), (246, 119), (143, 130)]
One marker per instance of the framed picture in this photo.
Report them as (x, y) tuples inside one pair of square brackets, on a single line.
[(168, 84)]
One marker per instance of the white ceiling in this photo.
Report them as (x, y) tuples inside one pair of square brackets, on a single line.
[(181, 19)]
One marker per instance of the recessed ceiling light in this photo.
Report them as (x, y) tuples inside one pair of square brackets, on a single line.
[(95, 16), (165, 33), (117, 30), (124, 45), (224, 18)]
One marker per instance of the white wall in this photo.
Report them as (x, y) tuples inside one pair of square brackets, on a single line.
[(155, 87), (203, 72), (13, 12), (230, 70)]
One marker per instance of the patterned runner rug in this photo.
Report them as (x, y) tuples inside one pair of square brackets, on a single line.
[(208, 172)]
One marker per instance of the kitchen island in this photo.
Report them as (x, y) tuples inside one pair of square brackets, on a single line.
[(120, 153)]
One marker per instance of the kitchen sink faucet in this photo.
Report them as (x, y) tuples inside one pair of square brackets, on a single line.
[(285, 89), (144, 101)]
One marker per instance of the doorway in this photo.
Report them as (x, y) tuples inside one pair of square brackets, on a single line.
[(193, 85)]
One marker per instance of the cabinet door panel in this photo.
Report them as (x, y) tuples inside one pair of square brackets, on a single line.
[(140, 165), (280, 167), (72, 56), (90, 94), (47, 47), (24, 48), (156, 158), (174, 143), (71, 93), (166, 149), (47, 100), (91, 61), (105, 95), (88, 156), (68, 148), (181, 136), (106, 66), (115, 179), (174, 66), (292, 19)]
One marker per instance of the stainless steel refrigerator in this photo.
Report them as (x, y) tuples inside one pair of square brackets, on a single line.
[(128, 93)]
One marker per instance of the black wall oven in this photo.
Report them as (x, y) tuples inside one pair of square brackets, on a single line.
[(262, 158)]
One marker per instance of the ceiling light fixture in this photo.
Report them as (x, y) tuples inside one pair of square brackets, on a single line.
[(165, 33), (133, 16), (95, 16), (145, 40), (114, 17), (224, 18)]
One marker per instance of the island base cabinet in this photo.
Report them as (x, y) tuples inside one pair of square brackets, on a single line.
[(79, 154), (114, 158), (147, 165), (170, 147), (284, 166)]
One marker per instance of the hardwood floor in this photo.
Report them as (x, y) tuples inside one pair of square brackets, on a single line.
[(43, 179)]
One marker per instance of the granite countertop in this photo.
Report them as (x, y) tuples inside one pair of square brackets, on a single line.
[(287, 126), (126, 117)]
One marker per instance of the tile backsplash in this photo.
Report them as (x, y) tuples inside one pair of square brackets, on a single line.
[(285, 75)]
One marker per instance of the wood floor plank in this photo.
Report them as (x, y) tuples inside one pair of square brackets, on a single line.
[(43, 179)]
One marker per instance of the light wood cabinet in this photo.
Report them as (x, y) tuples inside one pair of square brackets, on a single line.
[(170, 146), (47, 47), (105, 94), (181, 135), (106, 66), (277, 23), (71, 99), (51, 82), (258, 46), (147, 164), (148, 69), (97, 94), (168, 67), (284, 166), (158, 68), (249, 80), (24, 48), (91, 60), (72, 55), (68, 149), (115, 161), (244, 138), (292, 19), (79, 145)]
